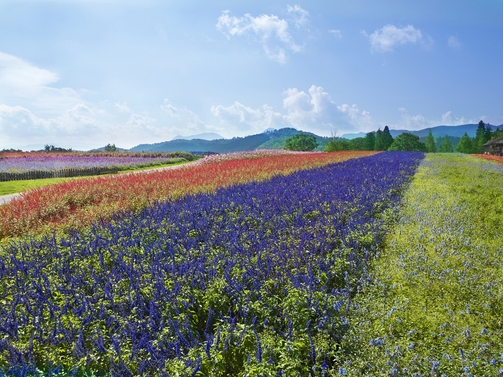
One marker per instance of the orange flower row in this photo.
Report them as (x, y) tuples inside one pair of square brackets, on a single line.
[(75, 204)]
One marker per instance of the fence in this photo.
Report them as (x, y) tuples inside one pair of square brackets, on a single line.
[(68, 172)]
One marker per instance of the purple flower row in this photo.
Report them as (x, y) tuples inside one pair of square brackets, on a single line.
[(26, 164), (211, 273)]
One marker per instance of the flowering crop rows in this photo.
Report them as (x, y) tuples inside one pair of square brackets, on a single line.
[(437, 305), (253, 279), (21, 165), (74, 204), (490, 157)]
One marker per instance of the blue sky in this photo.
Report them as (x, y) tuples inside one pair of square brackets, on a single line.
[(81, 74)]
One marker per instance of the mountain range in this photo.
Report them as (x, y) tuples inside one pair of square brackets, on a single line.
[(275, 139)]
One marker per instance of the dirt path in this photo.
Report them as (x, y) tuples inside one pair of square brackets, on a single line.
[(4, 199)]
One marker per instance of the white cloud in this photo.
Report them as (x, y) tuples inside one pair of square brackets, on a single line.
[(271, 31), (17, 74), (453, 42), (387, 38), (299, 15), (419, 122), (181, 117), (312, 111), (238, 119)]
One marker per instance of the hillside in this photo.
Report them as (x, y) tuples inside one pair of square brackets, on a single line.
[(437, 131), (271, 139), (275, 139)]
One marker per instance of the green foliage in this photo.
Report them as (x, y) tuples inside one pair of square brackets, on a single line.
[(336, 145), (339, 144), (52, 148), (465, 145), (370, 140), (446, 145), (497, 133), (407, 142), (358, 144), (110, 148), (301, 142), (482, 136), (383, 139), (430, 143), (435, 304)]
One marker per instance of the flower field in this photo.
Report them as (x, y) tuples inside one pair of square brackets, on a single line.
[(75, 204), (247, 267), (490, 157), (15, 166), (436, 305), (261, 264)]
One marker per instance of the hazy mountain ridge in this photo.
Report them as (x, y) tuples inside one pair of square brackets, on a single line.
[(437, 131), (275, 139), (204, 136)]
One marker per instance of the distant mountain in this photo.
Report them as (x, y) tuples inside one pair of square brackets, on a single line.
[(203, 136), (437, 131), (271, 139), (275, 139)]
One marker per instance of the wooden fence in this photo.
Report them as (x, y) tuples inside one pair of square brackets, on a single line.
[(67, 172)]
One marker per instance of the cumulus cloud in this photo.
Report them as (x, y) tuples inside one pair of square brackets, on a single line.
[(271, 31), (453, 42), (419, 122), (390, 36), (33, 112), (181, 117), (238, 119), (313, 110)]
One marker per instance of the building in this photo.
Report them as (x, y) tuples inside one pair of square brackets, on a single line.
[(494, 147)]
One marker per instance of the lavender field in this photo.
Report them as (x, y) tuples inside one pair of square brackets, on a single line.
[(255, 279)]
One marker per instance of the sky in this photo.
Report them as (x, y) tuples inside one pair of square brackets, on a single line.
[(85, 73)]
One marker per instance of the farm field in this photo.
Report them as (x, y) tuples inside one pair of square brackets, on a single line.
[(436, 303), (74, 204), (330, 264), (33, 165), (248, 278)]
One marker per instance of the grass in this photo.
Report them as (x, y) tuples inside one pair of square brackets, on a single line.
[(435, 306), (14, 187)]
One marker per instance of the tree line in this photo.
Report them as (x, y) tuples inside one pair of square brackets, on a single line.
[(381, 140)]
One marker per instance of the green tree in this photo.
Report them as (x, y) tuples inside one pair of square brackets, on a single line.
[(446, 145), (301, 142), (480, 138), (357, 144), (407, 142), (430, 143), (387, 139), (337, 144), (370, 141), (465, 145), (110, 148), (378, 144), (383, 139)]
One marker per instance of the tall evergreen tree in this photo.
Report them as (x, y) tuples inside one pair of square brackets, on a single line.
[(488, 134), (465, 144), (430, 143), (446, 145), (480, 140), (387, 138), (378, 145), (370, 141)]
